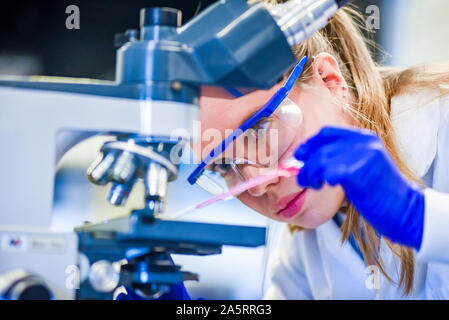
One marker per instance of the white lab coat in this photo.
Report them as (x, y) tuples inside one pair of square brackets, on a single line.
[(315, 265)]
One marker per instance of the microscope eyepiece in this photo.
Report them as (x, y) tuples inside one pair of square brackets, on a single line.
[(299, 19)]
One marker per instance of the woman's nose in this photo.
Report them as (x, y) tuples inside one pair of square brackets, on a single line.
[(250, 172)]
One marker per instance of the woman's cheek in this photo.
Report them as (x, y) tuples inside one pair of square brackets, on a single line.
[(320, 207), (260, 205)]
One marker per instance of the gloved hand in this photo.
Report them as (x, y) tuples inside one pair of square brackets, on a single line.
[(358, 161), (177, 292)]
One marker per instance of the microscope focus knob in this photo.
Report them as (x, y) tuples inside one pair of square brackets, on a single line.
[(18, 284), (160, 16)]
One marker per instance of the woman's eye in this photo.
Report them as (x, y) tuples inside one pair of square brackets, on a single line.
[(260, 128), (221, 168)]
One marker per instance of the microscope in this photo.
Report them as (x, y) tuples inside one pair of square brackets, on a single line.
[(149, 111)]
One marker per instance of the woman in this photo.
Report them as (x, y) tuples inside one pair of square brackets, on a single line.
[(340, 90)]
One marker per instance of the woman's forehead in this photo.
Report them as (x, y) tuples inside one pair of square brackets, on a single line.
[(220, 110)]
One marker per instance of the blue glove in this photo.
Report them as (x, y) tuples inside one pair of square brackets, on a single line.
[(177, 292), (358, 161)]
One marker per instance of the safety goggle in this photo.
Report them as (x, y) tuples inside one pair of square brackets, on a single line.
[(267, 131)]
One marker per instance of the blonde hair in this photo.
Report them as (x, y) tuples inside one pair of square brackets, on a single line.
[(372, 87)]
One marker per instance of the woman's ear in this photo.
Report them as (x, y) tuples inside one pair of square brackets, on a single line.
[(327, 73)]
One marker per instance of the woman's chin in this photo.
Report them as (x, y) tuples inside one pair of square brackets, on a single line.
[(310, 219)]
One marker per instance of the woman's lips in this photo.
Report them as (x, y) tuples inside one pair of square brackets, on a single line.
[(293, 204)]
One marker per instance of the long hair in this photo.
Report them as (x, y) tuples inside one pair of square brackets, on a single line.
[(372, 87)]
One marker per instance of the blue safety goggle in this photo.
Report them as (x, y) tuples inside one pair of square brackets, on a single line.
[(264, 112)]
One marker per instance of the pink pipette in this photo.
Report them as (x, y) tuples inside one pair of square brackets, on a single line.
[(287, 169)]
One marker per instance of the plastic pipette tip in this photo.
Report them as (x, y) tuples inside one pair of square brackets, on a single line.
[(287, 169)]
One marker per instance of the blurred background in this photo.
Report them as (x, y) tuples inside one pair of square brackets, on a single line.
[(35, 41)]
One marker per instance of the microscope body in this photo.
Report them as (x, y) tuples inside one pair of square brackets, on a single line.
[(37, 128)]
